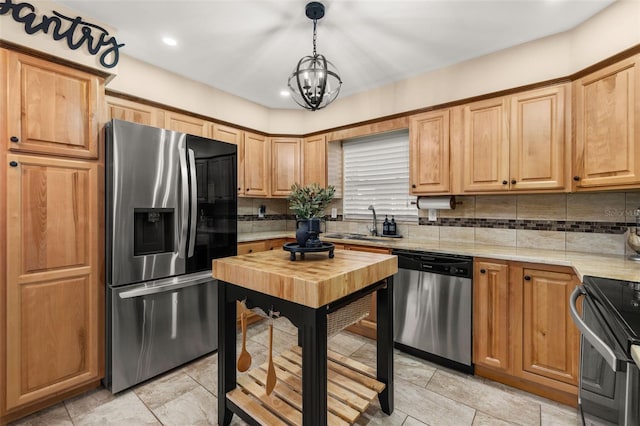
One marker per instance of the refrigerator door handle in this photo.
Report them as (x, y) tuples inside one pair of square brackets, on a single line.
[(194, 202), (164, 288), (184, 184)]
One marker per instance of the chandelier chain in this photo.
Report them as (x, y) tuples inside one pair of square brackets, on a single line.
[(315, 21)]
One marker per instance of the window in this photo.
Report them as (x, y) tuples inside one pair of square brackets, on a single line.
[(376, 172)]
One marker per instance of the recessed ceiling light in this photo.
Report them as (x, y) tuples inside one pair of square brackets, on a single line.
[(170, 41), (284, 93)]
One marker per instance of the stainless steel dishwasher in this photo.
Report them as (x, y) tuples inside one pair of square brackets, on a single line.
[(432, 307)]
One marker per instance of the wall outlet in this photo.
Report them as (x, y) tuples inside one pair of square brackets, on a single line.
[(261, 211), (433, 215), (334, 213)]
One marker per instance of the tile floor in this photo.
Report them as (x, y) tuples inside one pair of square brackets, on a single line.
[(425, 394)]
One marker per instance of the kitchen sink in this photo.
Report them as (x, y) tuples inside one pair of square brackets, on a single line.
[(351, 236)]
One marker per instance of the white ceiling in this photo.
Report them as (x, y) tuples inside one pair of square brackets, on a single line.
[(250, 47)]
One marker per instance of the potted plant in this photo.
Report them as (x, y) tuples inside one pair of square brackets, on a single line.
[(309, 202)]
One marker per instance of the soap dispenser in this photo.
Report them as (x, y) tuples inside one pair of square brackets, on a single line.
[(385, 225), (392, 226)]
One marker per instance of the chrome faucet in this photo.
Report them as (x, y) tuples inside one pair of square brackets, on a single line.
[(374, 230)]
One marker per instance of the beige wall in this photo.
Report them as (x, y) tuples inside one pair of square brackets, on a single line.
[(146, 81), (611, 31)]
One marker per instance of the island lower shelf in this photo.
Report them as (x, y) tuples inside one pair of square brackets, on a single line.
[(351, 388)]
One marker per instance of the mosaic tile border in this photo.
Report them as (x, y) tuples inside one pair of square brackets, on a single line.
[(254, 218), (534, 225), (526, 224)]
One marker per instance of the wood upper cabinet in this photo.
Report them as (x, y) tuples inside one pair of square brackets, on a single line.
[(52, 109), (314, 155), (486, 146), (492, 309), (224, 133), (537, 134), (135, 112), (286, 164), (186, 124), (550, 340), (516, 143), (257, 165), (54, 293), (429, 170), (607, 127)]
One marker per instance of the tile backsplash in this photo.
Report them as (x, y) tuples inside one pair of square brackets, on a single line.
[(585, 222)]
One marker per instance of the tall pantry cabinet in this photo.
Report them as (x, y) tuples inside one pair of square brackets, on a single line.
[(51, 287)]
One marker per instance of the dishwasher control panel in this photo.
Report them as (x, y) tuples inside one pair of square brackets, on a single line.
[(438, 263)]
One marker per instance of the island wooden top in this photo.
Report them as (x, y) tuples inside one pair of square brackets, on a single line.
[(313, 282)]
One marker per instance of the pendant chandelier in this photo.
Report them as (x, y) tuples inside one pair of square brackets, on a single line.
[(315, 82)]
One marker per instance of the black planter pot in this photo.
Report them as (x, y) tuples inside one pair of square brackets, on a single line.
[(307, 231)]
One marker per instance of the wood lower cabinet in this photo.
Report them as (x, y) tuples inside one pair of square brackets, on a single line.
[(607, 128), (522, 332), (367, 326), (55, 290), (492, 304), (550, 340), (52, 109)]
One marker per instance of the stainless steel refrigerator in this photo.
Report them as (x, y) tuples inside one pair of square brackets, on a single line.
[(171, 208)]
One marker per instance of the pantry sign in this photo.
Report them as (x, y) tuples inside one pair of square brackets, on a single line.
[(74, 31)]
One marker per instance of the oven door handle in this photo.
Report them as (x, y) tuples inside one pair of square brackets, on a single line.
[(599, 345)]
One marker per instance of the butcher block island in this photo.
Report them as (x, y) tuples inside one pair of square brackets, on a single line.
[(319, 295)]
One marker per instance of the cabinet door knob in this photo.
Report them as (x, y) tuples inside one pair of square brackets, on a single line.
[(413, 186), (482, 271), (504, 182), (250, 250), (527, 278), (576, 178), (14, 139), (513, 181), (13, 163)]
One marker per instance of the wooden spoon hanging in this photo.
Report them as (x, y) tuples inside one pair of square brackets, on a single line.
[(271, 371), (244, 360)]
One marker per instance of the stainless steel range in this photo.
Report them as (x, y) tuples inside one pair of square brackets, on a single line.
[(609, 391), (171, 208)]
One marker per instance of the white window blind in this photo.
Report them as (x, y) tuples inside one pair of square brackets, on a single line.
[(376, 172)]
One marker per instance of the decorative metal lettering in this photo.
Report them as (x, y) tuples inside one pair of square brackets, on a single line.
[(76, 34)]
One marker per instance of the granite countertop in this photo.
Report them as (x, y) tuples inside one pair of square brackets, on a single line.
[(599, 265)]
